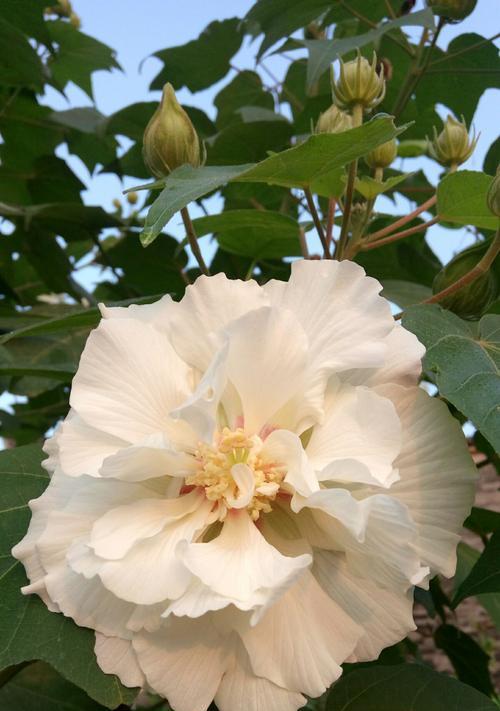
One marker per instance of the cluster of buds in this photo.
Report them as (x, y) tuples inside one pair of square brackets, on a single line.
[(452, 10), (333, 120), (64, 9), (452, 146), (382, 156), (170, 139), (359, 84)]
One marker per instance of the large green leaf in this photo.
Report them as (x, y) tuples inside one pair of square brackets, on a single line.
[(38, 687), (464, 361), (323, 52), (246, 89), (27, 16), (203, 61), (467, 557), (469, 660), (27, 629), (316, 163), (404, 687), (485, 575), (253, 233), (19, 63), (78, 56), (462, 199)]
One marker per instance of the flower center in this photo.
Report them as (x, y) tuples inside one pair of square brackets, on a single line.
[(254, 487)]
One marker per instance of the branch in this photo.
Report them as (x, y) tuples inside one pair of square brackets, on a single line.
[(193, 240), (403, 220), (330, 222), (357, 120), (317, 222), (400, 235)]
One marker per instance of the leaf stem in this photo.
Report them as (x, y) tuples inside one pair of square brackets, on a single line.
[(330, 221), (317, 222), (193, 240), (403, 220), (357, 120), (303, 244), (481, 268), (400, 235)]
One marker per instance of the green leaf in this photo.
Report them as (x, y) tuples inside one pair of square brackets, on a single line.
[(485, 575), (403, 687), (20, 65), (483, 521), (27, 16), (85, 118), (249, 142), (203, 61), (463, 361), (316, 163), (279, 18), (412, 148), (323, 52), (40, 687), (462, 199), (469, 660), (27, 629), (405, 293), (492, 160), (246, 89), (253, 233), (78, 56), (467, 557), (370, 188)]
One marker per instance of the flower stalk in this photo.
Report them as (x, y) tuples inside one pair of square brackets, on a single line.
[(193, 240), (357, 120), (317, 223)]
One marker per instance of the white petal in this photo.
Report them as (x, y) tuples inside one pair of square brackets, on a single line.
[(437, 475), (239, 564), (359, 438), (403, 362), (184, 662), (340, 310), (82, 448), (129, 379), (149, 459), (116, 656), (384, 616), (285, 448), (302, 639), (266, 363), (114, 534), (159, 312), (150, 572), (245, 481), (241, 689), (207, 307)]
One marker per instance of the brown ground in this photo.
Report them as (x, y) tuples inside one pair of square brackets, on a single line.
[(470, 616)]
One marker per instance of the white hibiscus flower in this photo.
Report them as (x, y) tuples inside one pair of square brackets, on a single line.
[(247, 488)]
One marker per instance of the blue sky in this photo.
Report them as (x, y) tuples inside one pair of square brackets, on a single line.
[(137, 28)]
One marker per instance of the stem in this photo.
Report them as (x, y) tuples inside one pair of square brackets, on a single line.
[(332, 206), (481, 268), (401, 235), (373, 25), (303, 244), (317, 222), (390, 9), (403, 220), (193, 240), (357, 120)]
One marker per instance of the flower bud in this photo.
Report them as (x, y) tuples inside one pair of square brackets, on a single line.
[(472, 300), (357, 218), (116, 203), (132, 198), (383, 155), (170, 139), (452, 10), (75, 20), (359, 83), (333, 120), (493, 196), (452, 146)]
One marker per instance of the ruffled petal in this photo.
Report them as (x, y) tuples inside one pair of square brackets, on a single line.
[(184, 661), (117, 656), (341, 312), (158, 313), (240, 565), (208, 306), (240, 688), (285, 448), (129, 379), (384, 616), (359, 438), (437, 475), (302, 639)]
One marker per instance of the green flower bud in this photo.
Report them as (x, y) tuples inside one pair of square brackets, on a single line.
[(359, 83), (333, 120), (452, 10), (493, 196), (452, 146), (358, 216), (383, 155), (75, 20), (170, 139), (132, 198), (471, 301)]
